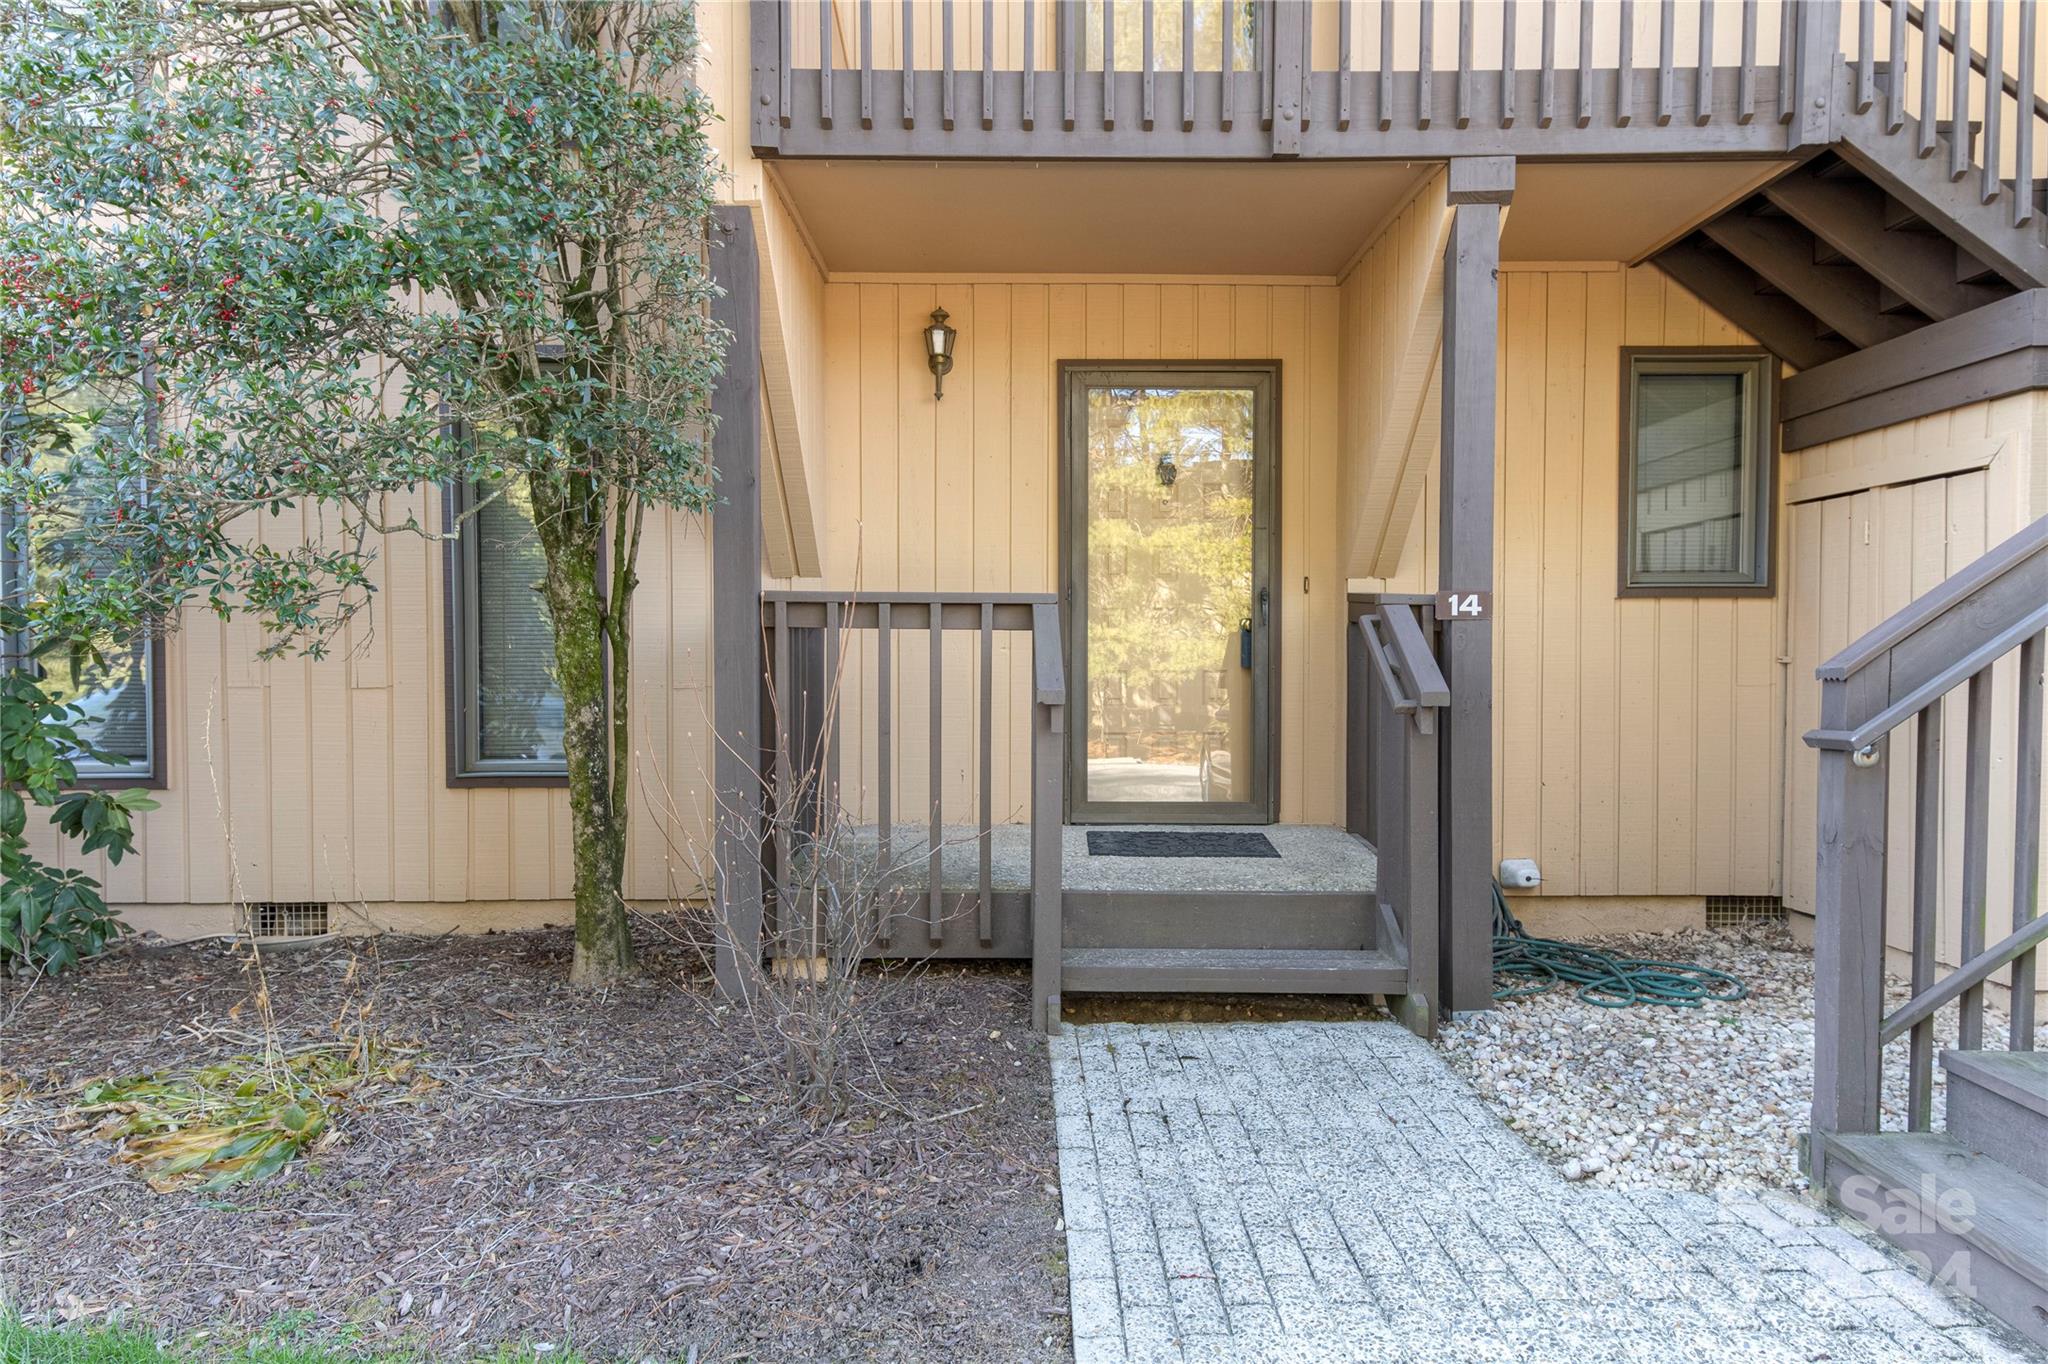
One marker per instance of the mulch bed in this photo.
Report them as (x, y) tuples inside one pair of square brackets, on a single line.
[(611, 1173)]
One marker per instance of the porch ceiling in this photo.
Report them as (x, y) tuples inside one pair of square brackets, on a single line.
[(1167, 218), (1619, 210), (1122, 218)]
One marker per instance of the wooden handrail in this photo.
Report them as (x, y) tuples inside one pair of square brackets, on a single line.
[(1376, 651), (1932, 690), (1888, 634), (1948, 640), (804, 629), (1413, 657), (1118, 101), (1394, 691), (1971, 973), (1402, 653), (1918, 19), (1047, 662)]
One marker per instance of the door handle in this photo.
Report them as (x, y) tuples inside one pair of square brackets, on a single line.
[(1265, 608)]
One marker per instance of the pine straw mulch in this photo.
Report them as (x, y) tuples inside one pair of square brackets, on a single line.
[(607, 1173)]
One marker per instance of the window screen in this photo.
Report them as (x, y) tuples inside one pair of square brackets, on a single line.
[(511, 707), (1696, 475)]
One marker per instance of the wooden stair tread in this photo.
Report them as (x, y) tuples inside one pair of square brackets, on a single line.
[(2006, 1210), (1232, 970), (2019, 1076)]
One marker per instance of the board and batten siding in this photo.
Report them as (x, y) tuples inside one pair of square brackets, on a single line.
[(1639, 742), (297, 779), (1904, 508), (962, 495)]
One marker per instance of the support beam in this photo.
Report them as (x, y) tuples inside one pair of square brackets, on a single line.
[(736, 606), (1728, 287), (1984, 230), (1848, 214), (1782, 252), (1985, 354), (1465, 564)]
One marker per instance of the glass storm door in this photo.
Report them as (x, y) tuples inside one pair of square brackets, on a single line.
[(1167, 496)]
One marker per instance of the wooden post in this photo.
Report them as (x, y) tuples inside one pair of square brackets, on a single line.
[(2026, 852), (736, 606), (764, 33), (1048, 815), (1287, 76), (1848, 932), (1479, 188), (1817, 37)]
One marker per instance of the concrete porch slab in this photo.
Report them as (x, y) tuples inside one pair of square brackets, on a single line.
[(1313, 860)]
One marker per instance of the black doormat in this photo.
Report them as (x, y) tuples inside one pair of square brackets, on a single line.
[(1179, 843)]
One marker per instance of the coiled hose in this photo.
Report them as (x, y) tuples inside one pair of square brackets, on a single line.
[(1524, 966)]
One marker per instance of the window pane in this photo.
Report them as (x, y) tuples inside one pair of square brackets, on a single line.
[(1689, 476), (519, 701), (114, 696), (1169, 503)]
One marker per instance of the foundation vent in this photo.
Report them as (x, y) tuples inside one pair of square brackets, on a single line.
[(1737, 911), (287, 919)]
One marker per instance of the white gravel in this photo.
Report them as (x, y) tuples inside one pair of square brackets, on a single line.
[(1653, 1096)]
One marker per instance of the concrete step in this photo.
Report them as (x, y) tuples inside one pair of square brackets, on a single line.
[(1998, 1107), (1974, 1224), (1178, 970)]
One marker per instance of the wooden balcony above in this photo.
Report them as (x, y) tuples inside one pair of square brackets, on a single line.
[(1287, 79)]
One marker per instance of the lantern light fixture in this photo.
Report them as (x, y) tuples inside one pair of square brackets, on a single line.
[(938, 351)]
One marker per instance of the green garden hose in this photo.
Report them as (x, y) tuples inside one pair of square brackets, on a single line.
[(1524, 966)]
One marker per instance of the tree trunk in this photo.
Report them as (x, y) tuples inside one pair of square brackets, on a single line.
[(593, 701)]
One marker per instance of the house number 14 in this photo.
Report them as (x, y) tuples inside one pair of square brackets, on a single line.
[(1464, 605)]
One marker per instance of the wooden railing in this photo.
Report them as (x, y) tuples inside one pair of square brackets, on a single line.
[(1395, 692), (806, 641), (1287, 78), (1901, 674), (1990, 112)]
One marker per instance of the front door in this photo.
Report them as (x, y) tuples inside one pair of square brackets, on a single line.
[(1167, 500)]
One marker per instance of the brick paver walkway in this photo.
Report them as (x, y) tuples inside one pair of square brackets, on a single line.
[(1333, 1192)]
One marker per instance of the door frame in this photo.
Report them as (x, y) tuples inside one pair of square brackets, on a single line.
[(1263, 377)]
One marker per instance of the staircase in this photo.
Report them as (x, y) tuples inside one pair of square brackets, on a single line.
[(1923, 205), (1969, 1203), (1970, 1200)]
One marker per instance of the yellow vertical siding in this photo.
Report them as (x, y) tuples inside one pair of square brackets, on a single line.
[(962, 494), (1863, 554), (295, 779), (1638, 742)]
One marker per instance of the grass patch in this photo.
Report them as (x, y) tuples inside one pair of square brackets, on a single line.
[(282, 1343)]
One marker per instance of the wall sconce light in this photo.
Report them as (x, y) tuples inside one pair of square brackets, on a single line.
[(1167, 471), (938, 351)]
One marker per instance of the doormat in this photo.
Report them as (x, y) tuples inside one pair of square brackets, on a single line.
[(1179, 843)]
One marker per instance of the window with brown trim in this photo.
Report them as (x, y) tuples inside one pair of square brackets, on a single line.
[(1697, 472), (505, 699), (116, 687)]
